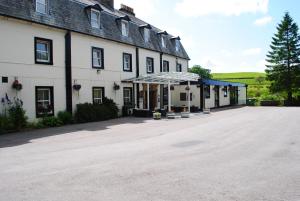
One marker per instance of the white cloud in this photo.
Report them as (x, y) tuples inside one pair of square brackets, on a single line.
[(263, 21), (251, 51), (195, 8)]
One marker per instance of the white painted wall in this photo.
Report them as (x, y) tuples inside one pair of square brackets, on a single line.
[(17, 61), (210, 102), (224, 101), (242, 95), (181, 89)]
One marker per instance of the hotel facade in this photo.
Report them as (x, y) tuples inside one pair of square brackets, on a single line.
[(55, 54)]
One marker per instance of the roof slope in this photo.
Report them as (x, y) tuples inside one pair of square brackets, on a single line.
[(73, 15)]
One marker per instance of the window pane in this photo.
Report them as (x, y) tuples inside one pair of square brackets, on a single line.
[(95, 19), (41, 6), (97, 58), (125, 28)]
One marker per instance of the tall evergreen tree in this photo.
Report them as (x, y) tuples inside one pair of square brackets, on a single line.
[(284, 58)]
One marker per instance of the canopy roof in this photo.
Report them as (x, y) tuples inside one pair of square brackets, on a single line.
[(165, 78), (222, 83)]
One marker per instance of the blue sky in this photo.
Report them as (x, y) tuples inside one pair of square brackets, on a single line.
[(223, 35)]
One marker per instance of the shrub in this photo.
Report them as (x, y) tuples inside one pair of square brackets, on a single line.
[(65, 117), (88, 112), (17, 115), (50, 122), (5, 124)]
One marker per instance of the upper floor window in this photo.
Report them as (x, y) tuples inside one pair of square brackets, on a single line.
[(150, 65), (179, 67), (147, 34), (41, 6), (165, 66), (95, 18), (97, 58), (125, 28), (127, 62), (163, 41), (177, 45), (43, 51)]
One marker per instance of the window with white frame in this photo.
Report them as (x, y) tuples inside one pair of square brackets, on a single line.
[(127, 95), (127, 62), (41, 6), (98, 94), (163, 41), (95, 18), (98, 58), (43, 51), (165, 66), (147, 34), (150, 65), (125, 28), (44, 101)]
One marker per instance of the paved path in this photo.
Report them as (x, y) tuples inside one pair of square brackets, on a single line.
[(245, 154)]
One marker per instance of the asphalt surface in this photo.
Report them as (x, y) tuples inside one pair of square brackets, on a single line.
[(245, 154)]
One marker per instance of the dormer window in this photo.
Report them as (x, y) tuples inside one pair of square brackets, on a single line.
[(146, 34), (163, 41), (95, 19), (41, 6), (125, 28), (177, 45)]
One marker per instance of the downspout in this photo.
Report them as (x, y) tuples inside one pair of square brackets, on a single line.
[(137, 75), (68, 73)]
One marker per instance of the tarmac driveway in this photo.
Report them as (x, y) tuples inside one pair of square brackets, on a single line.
[(245, 154)]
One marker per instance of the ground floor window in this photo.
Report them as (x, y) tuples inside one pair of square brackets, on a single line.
[(184, 97), (127, 95), (98, 95), (44, 101)]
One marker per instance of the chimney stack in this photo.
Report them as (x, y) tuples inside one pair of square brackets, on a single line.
[(127, 9), (107, 3)]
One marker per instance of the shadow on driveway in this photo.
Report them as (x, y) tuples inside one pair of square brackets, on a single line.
[(16, 139)]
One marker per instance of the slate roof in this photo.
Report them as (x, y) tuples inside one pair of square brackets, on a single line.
[(74, 16)]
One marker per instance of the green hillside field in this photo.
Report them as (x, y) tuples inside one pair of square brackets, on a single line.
[(257, 84)]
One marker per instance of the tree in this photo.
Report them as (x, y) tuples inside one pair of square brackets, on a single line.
[(204, 73), (284, 58)]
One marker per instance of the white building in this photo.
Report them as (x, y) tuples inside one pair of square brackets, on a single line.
[(66, 52)]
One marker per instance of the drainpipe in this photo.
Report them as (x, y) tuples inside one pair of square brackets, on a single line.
[(68, 71), (137, 57)]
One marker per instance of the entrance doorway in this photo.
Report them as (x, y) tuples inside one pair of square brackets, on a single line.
[(234, 96), (217, 96), (152, 96)]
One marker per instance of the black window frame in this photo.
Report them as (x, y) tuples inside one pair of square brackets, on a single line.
[(4, 79), (207, 91), (93, 95), (102, 58), (184, 96), (38, 114), (152, 60), (50, 62), (167, 62), (131, 96), (180, 67), (130, 56)]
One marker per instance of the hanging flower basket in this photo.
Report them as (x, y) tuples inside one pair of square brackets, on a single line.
[(187, 88), (76, 87), (116, 86), (172, 87), (17, 85)]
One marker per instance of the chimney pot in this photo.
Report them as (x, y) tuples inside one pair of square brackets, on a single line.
[(127, 9)]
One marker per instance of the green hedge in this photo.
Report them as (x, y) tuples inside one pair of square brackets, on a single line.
[(88, 112)]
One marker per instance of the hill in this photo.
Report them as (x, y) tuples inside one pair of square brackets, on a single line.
[(257, 83)]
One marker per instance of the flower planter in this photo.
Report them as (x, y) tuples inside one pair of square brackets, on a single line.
[(116, 86), (76, 87), (185, 115), (17, 85), (157, 116)]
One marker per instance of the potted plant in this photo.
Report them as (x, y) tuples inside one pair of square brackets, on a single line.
[(116, 86), (172, 87), (157, 115), (76, 87), (17, 85), (187, 88)]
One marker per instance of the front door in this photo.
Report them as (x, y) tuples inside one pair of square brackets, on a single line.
[(217, 96), (152, 97)]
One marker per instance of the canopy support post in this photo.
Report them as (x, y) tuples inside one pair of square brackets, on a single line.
[(189, 96), (169, 96), (148, 96)]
